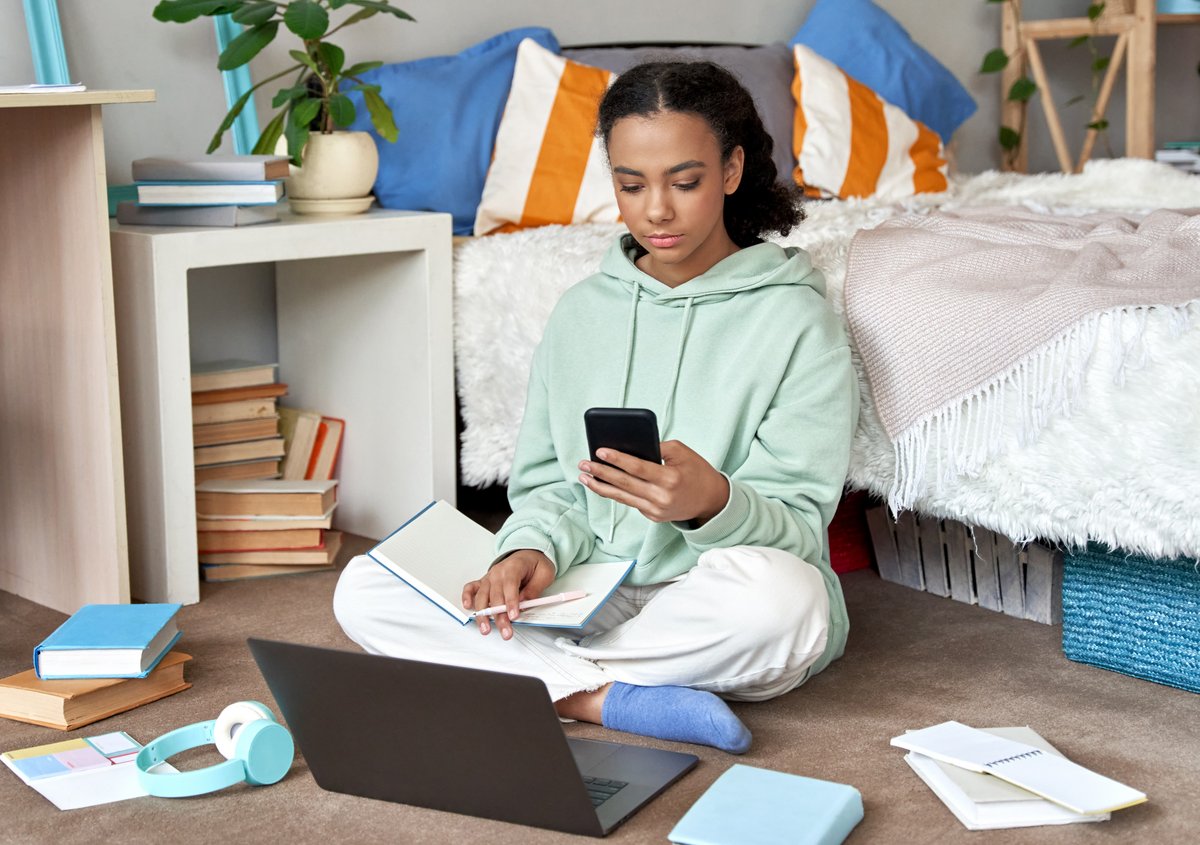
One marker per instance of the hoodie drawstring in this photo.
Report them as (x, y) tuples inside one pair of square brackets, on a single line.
[(684, 327), (632, 332)]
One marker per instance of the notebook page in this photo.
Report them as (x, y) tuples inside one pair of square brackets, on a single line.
[(598, 580), (1054, 778)]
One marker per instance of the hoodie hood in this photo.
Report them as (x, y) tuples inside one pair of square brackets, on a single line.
[(758, 266)]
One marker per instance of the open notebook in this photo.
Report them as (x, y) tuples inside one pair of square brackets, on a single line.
[(440, 549), (1054, 778)]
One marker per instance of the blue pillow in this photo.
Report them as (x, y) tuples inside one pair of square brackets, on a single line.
[(447, 109), (868, 44)]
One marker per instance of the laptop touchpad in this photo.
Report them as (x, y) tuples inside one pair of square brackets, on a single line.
[(589, 754)]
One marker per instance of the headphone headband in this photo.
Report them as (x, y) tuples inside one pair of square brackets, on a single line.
[(185, 784)]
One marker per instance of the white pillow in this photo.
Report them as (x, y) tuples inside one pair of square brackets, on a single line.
[(850, 142), (548, 165)]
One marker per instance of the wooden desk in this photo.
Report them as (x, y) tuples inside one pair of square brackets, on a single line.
[(365, 332), (1135, 23), (62, 488)]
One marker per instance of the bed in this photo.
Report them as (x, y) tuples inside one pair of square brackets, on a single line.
[(1118, 463)]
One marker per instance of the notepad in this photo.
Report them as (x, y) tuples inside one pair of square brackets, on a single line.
[(440, 549), (766, 807), (1054, 778)]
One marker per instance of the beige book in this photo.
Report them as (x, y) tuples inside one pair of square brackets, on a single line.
[(245, 571), (299, 429), (244, 409), (265, 497), (234, 431), (239, 470), (253, 541), (222, 375), (327, 554), (69, 704), (247, 450), (263, 523)]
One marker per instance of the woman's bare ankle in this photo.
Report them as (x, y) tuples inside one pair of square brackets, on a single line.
[(585, 706)]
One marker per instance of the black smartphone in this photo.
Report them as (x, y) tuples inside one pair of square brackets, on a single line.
[(633, 431)]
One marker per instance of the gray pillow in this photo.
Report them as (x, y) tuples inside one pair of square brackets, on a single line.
[(765, 70)]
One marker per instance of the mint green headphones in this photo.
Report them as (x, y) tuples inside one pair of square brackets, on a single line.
[(257, 750)]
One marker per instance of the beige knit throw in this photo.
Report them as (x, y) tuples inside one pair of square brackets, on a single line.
[(951, 311)]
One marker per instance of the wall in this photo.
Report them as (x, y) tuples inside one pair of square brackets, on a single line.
[(117, 44)]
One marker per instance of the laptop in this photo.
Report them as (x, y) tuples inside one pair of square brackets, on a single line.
[(470, 741)]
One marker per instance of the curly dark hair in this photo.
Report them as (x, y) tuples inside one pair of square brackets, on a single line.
[(761, 203)]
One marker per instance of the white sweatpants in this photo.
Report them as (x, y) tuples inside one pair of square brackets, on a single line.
[(746, 623)]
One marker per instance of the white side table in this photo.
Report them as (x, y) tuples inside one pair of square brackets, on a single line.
[(365, 331)]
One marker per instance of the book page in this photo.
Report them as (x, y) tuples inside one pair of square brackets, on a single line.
[(598, 580)]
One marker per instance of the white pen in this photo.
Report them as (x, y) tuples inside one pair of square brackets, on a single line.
[(557, 598)]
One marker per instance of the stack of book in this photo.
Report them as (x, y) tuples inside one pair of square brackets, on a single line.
[(216, 190), (105, 659), (235, 423), (265, 527), (311, 444), (1009, 777), (1182, 155)]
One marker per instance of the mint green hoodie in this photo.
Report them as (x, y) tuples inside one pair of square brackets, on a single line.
[(746, 364)]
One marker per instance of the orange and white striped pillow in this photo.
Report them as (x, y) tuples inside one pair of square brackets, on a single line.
[(850, 142), (548, 165)]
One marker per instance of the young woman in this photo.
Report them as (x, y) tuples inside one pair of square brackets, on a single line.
[(732, 344)]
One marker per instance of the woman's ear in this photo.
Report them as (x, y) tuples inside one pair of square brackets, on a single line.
[(733, 169)]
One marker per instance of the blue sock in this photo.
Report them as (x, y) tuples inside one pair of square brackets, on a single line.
[(675, 713)]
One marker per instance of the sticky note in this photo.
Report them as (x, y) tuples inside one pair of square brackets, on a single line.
[(40, 767), (114, 744), (79, 759)]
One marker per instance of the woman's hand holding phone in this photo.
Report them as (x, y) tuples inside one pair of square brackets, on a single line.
[(684, 487), (522, 575)]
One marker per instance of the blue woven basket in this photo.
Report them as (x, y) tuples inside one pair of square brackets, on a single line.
[(1133, 615)]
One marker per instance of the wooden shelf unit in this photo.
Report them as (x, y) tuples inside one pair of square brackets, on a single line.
[(1134, 23), (62, 484)]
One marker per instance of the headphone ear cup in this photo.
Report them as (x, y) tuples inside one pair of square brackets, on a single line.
[(266, 750), (231, 721)]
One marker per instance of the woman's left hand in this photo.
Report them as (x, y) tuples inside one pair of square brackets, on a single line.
[(683, 487)]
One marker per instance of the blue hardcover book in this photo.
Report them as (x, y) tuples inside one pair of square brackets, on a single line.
[(108, 641), (752, 806)]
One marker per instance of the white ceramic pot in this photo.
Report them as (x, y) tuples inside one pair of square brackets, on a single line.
[(337, 166)]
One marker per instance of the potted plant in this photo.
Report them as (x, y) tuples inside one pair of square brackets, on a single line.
[(330, 164)]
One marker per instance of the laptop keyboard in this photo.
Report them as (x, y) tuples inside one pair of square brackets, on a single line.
[(601, 789)]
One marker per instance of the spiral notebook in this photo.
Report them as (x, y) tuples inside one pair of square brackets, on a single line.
[(1054, 778)]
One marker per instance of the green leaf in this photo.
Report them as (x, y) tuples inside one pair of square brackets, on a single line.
[(333, 57), (1022, 90), (1078, 40), (1095, 10), (994, 61), (229, 119), (341, 109), (1078, 98), (381, 115), (360, 68), (360, 15), (307, 19), (304, 59), (1010, 139), (182, 11), (253, 14), (1101, 63), (265, 145), (1099, 125), (286, 95), (381, 6), (297, 137), (305, 112), (247, 45)]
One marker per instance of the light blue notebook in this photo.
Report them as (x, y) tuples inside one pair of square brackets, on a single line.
[(752, 806), (108, 641)]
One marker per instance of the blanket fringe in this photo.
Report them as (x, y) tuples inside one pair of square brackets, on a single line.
[(966, 432)]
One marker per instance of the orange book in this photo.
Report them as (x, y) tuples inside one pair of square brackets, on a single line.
[(238, 394), (325, 449), (256, 541)]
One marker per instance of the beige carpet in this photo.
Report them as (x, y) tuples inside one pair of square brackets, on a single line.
[(913, 660)]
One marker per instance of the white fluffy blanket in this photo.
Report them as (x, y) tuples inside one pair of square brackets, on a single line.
[(1121, 465)]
